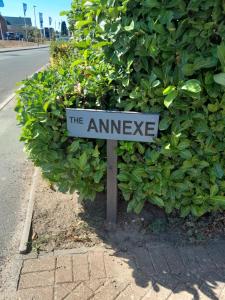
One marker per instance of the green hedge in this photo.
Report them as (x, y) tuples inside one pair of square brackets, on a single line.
[(150, 56)]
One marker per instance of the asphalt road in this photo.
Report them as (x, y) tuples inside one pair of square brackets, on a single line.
[(15, 170), (18, 65)]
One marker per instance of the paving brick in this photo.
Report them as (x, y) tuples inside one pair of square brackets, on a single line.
[(185, 292), (162, 293), (143, 260), (117, 267), (204, 260), (216, 254), (64, 269), (80, 267), (211, 291), (96, 265), (189, 258), (110, 290), (81, 292), (95, 284), (40, 293), (44, 278), (173, 259), (64, 289), (132, 292), (162, 286), (222, 294), (159, 260), (39, 264)]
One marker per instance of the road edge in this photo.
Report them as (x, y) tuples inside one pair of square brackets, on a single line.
[(30, 208), (23, 49)]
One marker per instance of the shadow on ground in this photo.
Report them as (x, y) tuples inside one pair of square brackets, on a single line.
[(158, 257)]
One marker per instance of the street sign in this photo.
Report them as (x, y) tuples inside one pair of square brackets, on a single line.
[(24, 9), (112, 125), (1, 3), (41, 19)]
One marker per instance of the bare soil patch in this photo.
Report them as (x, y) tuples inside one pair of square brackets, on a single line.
[(61, 222)]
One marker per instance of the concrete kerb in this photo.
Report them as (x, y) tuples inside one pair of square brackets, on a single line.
[(27, 225), (22, 49), (10, 98)]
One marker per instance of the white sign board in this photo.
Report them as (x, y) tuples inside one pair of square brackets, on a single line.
[(112, 125)]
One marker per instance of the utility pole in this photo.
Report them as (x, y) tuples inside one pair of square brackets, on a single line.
[(35, 20), (1, 31), (24, 13), (35, 24)]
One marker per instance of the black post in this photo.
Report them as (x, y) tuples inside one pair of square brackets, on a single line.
[(112, 190)]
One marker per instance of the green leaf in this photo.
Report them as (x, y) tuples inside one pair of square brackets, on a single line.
[(164, 123), (197, 211), (220, 200), (157, 201), (83, 160), (98, 176), (123, 177), (219, 78), (188, 69), (169, 89), (46, 105), (154, 155), (214, 190), (126, 196), (82, 23), (130, 27), (185, 210), (139, 172), (186, 154), (74, 146), (213, 107), (96, 152), (77, 62), (170, 98), (192, 85), (141, 148), (219, 170), (138, 207), (221, 55)]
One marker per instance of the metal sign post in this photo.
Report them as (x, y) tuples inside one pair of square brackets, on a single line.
[(112, 126), (112, 190)]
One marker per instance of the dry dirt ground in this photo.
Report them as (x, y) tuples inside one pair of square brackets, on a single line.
[(61, 222), (15, 44)]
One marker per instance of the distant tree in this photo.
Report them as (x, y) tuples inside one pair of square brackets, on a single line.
[(64, 30), (33, 34)]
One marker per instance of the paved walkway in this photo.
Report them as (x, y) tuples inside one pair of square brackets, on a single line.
[(2, 50), (147, 273)]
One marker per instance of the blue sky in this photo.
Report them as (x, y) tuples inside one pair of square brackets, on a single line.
[(49, 8)]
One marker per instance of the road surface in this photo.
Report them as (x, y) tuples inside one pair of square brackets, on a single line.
[(15, 170), (15, 66)]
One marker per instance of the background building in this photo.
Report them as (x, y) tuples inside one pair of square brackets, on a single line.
[(3, 24), (17, 24)]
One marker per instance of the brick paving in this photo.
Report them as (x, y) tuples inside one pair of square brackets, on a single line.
[(142, 273)]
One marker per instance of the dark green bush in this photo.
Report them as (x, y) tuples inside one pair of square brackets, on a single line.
[(71, 164), (159, 56)]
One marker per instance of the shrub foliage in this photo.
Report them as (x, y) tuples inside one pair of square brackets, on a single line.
[(149, 56)]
